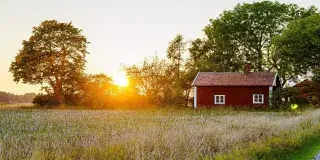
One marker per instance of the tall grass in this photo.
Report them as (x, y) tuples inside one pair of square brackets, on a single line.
[(151, 134), (16, 105)]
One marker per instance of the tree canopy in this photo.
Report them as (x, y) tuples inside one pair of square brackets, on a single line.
[(244, 35), (300, 44), (54, 55), (175, 51)]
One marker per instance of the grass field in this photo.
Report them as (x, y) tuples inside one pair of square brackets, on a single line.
[(154, 134)]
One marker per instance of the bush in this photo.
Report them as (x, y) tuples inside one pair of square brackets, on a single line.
[(45, 100), (282, 98)]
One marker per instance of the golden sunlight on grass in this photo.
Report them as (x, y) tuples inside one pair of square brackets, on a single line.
[(153, 134), (121, 79)]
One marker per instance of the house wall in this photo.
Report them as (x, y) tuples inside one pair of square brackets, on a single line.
[(235, 96)]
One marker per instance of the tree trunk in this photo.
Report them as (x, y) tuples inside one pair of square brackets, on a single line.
[(283, 83), (187, 97), (58, 93), (260, 59)]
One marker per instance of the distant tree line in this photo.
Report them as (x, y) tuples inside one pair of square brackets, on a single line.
[(271, 36), (6, 98)]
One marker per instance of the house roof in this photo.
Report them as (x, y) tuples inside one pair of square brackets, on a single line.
[(234, 79), (302, 83)]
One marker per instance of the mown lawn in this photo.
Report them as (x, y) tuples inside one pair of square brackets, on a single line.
[(154, 134)]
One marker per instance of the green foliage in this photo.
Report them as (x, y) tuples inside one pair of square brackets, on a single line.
[(54, 55), (290, 146), (244, 35), (300, 43), (200, 57), (43, 100), (310, 90), (175, 52), (96, 90), (239, 36), (150, 79), (282, 98), (308, 150), (160, 81), (180, 79)]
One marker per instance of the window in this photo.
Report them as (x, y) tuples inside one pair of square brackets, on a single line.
[(257, 98), (219, 99)]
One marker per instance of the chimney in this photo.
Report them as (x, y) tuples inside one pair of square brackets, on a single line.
[(247, 68)]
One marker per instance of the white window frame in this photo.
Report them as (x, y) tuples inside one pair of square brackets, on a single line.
[(253, 98), (224, 99)]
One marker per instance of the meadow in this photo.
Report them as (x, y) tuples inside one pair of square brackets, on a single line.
[(154, 134)]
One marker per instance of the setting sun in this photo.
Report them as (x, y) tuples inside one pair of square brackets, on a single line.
[(121, 79)]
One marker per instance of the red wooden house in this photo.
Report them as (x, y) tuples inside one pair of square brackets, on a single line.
[(234, 88)]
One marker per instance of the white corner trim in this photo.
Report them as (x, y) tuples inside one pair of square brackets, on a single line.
[(195, 78), (195, 97), (270, 94)]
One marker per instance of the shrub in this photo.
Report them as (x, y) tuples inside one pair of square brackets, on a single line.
[(45, 100), (282, 98), (310, 90)]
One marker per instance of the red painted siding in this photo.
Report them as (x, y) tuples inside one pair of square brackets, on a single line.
[(235, 96)]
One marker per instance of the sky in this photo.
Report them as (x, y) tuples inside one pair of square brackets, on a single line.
[(120, 32)]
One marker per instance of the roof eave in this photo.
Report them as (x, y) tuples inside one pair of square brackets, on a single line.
[(195, 79)]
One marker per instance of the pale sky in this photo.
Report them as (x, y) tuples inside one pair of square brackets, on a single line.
[(120, 31)]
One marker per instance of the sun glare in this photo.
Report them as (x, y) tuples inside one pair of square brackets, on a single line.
[(121, 79)]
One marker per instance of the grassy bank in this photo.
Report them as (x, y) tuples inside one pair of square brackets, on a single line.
[(308, 150), (302, 145), (153, 134)]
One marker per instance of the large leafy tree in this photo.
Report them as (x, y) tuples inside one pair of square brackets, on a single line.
[(300, 44), (244, 35), (54, 55)]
